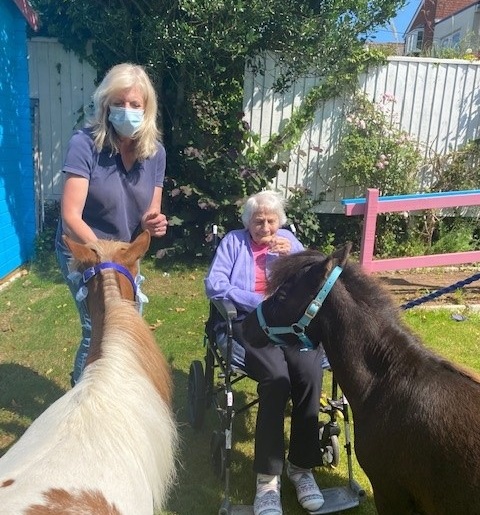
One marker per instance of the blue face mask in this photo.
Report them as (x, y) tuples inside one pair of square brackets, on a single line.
[(125, 121)]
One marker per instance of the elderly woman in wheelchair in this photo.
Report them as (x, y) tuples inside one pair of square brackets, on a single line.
[(238, 273)]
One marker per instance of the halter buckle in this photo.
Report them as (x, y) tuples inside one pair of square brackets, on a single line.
[(298, 329)]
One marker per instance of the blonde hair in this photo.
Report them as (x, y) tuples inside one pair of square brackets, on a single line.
[(270, 201), (120, 78)]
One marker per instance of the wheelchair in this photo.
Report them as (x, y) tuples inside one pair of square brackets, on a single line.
[(211, 387)]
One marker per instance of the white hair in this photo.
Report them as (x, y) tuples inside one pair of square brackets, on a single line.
[(269, 200)]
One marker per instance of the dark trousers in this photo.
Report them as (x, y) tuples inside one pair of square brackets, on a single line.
[(283, 373)]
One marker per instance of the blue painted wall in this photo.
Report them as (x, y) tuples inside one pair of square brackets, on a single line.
[(17, 192)]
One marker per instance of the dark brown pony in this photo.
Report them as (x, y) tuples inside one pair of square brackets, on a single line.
[(416, 415)]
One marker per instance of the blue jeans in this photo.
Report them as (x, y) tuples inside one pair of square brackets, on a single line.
[(63, 257)]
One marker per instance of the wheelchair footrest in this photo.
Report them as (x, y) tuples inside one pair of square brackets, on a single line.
[(242, 510), (336, 499), (339, 498)]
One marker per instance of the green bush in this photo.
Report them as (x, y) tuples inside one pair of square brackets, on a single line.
[(373, 152), (456, 235)]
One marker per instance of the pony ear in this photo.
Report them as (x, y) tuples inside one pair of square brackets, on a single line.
[(341, 254), (138, 247), (79, 251)]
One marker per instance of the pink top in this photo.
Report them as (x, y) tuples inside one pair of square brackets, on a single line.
[(260, 260)]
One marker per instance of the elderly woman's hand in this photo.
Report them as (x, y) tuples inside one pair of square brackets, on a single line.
[(280, 245)]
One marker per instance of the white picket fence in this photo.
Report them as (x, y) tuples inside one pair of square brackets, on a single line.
[(437, 103)]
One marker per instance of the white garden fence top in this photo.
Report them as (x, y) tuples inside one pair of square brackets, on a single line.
[(436, 102)]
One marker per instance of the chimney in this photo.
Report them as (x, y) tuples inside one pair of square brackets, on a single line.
[(429, 11)]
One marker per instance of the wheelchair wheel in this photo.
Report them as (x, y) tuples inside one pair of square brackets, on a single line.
[(331, 453), (196, 395), (218, 454), (330, 450)]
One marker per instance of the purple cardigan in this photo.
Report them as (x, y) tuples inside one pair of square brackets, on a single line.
[(232, 272)]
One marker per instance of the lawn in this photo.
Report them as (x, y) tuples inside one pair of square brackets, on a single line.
[(39, 333)]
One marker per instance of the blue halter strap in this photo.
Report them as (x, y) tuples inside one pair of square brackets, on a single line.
[(93, 270), (298, 328)]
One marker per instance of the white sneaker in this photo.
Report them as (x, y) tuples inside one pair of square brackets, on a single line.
[(308, 494), (267, 499)]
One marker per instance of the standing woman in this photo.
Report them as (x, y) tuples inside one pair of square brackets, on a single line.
[(115, 168)]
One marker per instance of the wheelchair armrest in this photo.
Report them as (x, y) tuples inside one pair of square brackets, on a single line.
[(225, 308)]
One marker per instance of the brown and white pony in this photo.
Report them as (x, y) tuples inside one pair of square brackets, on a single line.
[(108, 445), (416, 415)]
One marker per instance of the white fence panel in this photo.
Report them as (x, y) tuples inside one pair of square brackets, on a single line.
[(437, 103), (62, 87)]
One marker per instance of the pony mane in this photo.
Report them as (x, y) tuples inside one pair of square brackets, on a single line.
[(366, 290), (124, 320), (291, 265)]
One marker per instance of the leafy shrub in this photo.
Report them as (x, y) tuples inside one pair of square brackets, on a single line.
[(457, 170), (373, 152), (300, 213), (45, 241), (213, 181), (456, 235)]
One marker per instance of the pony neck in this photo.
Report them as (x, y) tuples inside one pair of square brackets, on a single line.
[(104, 293), (116, 324), (365, 345)]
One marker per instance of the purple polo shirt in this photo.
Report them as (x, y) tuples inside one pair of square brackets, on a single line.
[(116, 200)]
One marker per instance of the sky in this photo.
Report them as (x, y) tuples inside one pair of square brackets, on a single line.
[(400, 24)]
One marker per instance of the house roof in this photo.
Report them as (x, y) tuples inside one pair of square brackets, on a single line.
[(443, 9), (446, 8), (29, 14)]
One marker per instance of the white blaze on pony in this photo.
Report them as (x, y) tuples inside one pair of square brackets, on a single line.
[(106, 447)]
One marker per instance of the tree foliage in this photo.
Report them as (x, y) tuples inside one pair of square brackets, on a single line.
[(196, 52)]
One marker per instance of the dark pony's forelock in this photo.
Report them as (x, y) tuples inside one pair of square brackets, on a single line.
[(290, 266)]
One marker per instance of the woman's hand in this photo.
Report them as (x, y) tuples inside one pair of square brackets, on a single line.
[(280, 245), (155, 223)]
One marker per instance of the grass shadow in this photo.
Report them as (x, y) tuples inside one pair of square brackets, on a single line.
[(46, 266), (25, 395), (191, 494)]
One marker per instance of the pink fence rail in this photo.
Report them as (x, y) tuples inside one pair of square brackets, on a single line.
[(373, 205)]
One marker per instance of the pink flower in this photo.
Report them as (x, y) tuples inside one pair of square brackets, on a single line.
[(388, 97)]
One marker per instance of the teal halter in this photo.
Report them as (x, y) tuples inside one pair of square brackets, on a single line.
[(298, 328)]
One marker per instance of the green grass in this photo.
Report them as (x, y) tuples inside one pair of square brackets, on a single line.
[(39, 332)]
